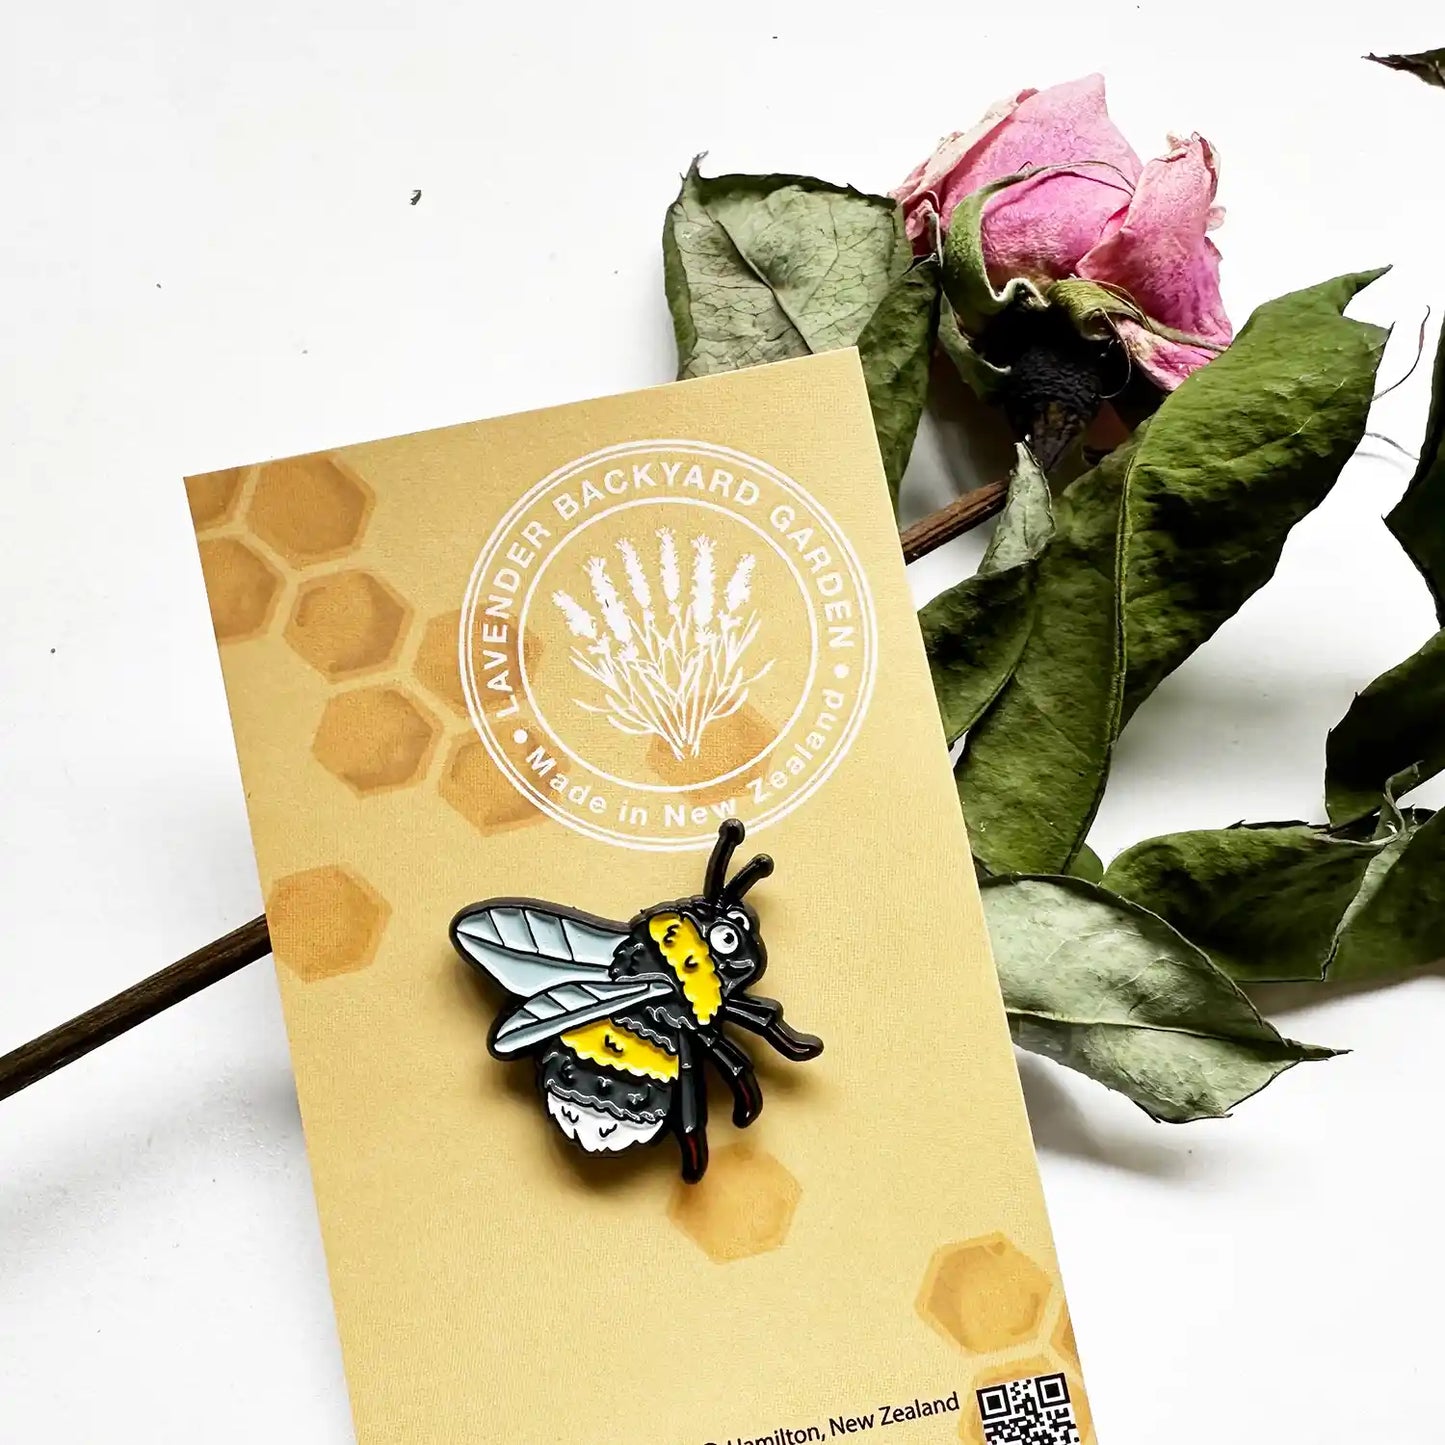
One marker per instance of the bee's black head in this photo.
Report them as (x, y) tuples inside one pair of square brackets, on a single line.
[(731, 926)]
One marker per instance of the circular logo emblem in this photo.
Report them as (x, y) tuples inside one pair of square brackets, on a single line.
[(664, 634)]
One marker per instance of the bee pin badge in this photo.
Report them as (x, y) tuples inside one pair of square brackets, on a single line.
[(620, 1016)]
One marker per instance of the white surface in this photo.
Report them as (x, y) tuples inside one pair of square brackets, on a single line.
[(209, 257)]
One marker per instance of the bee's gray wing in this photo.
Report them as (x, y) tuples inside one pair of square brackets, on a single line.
[(570, 1006), (529, 947)]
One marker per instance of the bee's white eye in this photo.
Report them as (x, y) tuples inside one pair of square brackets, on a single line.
[(723, 938), (741, 919)]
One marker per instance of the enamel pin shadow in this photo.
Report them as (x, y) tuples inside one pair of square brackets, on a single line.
[(619, 1017)]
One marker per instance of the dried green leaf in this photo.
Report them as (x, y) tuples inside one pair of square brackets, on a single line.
[(1102, 986), (1290, 902), (1396, 725), (1034, 765), (975, 631), (983, 378), (1087, 865), (1428, 65), (1418, 520), (1397, 919), (895, 349), (1153, 550), (1264, 903), (1211, 503), (768, 268)]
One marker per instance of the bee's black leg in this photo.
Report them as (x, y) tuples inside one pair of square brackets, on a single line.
[(690, 1115), (737, 1071), (764, 1017)]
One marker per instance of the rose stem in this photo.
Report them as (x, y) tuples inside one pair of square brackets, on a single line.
[(217, 960), (224, 956), (954, 520)]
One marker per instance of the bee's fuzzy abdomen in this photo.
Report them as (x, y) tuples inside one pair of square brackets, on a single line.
[(624, 1096), (603, 1110)]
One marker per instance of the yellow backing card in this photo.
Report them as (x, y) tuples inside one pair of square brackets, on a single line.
[(437, 651)]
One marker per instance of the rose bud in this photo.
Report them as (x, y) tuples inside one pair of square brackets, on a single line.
[(1076, 206)]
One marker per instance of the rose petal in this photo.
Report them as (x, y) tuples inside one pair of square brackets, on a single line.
[(922, 191), (1042, 227), (1162, 258), (1039, 228)]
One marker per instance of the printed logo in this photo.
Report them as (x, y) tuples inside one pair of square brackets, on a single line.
[(669, 659), (664, 634)]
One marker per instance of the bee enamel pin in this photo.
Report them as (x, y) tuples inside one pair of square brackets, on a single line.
[(620, 1016)]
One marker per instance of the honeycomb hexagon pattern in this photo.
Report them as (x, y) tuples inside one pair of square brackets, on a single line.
[(436, 665), (743, 1205), (471, 782), (347, 623), (324, 921), (375, 738), (984, 1295), (309, 509), (728, 744), (241, 586), (971, 1430), (1065, 1345), (212, 497)]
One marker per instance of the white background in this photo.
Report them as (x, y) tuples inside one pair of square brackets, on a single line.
[(209, 257)]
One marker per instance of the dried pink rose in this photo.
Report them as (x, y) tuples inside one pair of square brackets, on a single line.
[(1138, 229), (1160, 257)]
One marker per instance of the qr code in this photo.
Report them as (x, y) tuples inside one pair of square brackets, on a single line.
[(1029, 1412)]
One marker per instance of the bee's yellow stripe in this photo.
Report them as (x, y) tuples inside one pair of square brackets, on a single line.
[(608, 1043), (687, 956)]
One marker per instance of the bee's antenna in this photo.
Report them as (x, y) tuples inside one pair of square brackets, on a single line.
[(750, 873), (729, 835)]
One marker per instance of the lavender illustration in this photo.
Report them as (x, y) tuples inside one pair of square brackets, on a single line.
[(670, 657)]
